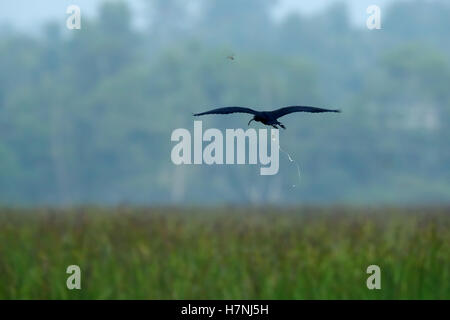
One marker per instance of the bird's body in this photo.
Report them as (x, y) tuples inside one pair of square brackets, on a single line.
[(265, 118), (269, 118)]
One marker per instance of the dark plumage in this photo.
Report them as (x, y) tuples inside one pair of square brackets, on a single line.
[(269, 118)]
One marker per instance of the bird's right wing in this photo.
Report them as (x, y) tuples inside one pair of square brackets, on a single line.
[(227, 110), (286, 110)]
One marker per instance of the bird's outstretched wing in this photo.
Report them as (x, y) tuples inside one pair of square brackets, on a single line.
[(286, 110), (227, 110)]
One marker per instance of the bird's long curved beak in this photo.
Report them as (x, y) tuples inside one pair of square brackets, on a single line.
[(250, 121)]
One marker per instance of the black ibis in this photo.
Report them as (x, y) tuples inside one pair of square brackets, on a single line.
[(269, 118)]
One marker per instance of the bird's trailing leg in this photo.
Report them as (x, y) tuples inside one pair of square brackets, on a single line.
[(279, 124)]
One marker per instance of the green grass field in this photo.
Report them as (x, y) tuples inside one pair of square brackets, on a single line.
[(226, 253)]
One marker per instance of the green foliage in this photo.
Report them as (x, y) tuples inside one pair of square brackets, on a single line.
[(86, 115), (225, 254)]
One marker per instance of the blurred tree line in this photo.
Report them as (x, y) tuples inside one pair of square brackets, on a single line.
[(86, 115)]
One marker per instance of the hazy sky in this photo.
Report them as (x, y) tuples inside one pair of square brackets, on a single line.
[(29, 15)]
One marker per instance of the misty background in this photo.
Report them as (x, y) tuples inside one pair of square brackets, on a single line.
[(86, 115)]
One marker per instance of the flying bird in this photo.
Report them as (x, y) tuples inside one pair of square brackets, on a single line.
[(230, 57), (269, 118)]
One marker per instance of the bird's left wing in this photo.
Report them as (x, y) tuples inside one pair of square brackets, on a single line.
[(286, 110), (227, 110)]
